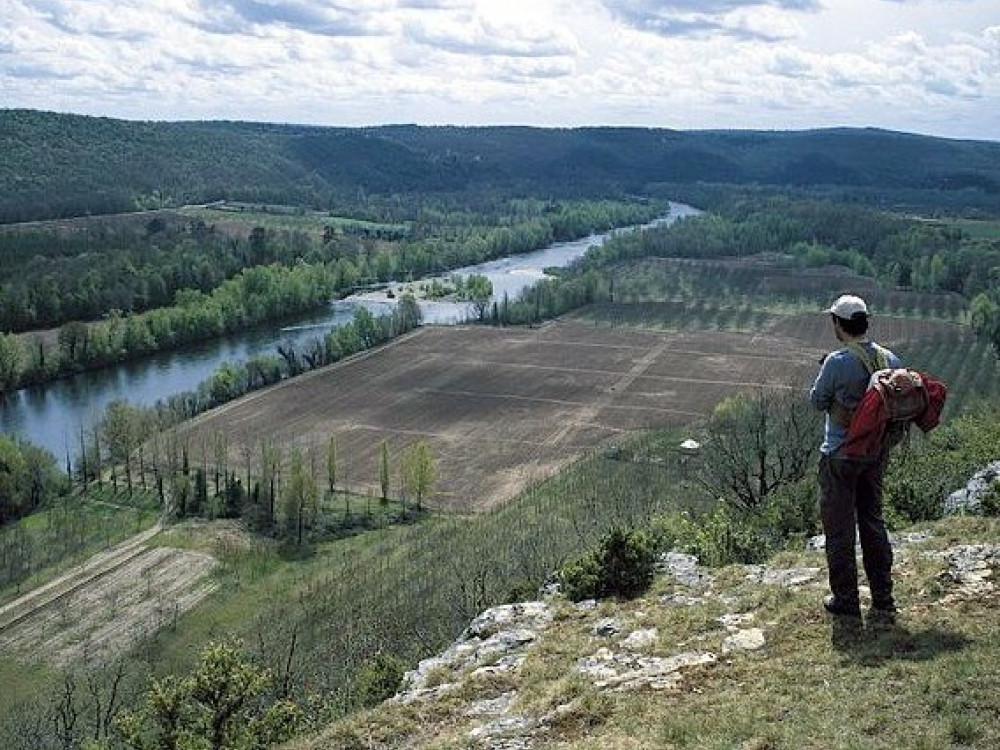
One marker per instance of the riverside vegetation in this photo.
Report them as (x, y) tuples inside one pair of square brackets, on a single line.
[(317, 620), (121, 288)]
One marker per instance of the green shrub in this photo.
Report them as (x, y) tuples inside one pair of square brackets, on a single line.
[(724, 536), (989, 503), (921, 475), (379, 679), (520, 591), (913, 498), (727, 535), (622, 565), (792, 510)]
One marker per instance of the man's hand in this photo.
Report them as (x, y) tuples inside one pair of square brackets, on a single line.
[(841, 414)]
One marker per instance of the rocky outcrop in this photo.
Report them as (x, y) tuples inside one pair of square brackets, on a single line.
[(969, 498), (495, 642), (626, 655), (480, 672), (971, 569)]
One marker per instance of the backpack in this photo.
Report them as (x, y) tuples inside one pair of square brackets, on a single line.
[(895, 399)]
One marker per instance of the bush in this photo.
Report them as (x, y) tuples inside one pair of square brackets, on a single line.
[(910, 498), (379, 679), (721, 536), (792, 510), (726, 535), (922, 475), (989, 503), (622, 565)]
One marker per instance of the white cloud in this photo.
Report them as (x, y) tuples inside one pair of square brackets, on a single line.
[(479, 36), (761, 20), (678, 63), (320, 18)]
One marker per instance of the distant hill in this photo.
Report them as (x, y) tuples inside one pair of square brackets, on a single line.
[(57, 165)]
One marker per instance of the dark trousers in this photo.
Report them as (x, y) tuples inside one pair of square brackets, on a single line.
[(851, 497)]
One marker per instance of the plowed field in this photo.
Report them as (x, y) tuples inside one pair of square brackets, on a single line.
[(502, 407)]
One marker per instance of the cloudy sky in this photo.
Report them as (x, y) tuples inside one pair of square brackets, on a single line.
[(926, 66)]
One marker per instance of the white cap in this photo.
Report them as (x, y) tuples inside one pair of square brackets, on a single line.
[(847, 306)]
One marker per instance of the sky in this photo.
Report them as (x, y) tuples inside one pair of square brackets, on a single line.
[(922, 66)]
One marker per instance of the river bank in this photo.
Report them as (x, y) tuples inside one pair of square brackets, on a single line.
[(53, 415)]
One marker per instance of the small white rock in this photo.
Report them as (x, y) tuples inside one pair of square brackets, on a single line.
[(744, 640)]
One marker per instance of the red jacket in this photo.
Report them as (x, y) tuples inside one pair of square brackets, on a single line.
[(866, 433)]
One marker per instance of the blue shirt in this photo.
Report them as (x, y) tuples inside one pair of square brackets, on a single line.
[(842, 379)]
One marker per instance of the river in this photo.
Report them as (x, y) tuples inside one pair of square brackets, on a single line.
[(52, 415)]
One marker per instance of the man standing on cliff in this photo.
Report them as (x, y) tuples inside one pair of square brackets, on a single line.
[(851, 488)]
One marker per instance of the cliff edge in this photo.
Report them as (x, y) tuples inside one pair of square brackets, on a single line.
[(736, 657)]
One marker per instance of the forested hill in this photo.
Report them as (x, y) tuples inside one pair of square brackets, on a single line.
[(56, 165)]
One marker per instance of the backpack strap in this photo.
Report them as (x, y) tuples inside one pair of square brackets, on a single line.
[(880, 360)]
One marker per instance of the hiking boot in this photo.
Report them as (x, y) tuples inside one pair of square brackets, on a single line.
[(882, 615), (838, 607)]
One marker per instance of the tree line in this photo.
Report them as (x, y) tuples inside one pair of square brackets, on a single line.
[(56, 273), (254, 296), (56, 165), (898, 252), (274, 275)]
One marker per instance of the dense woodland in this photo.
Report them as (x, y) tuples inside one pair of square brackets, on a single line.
[(338, 594), (55, 165)]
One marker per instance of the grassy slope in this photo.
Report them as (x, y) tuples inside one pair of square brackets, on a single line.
[(928, 682)]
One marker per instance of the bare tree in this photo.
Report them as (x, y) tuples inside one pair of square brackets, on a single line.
[(757, 442)]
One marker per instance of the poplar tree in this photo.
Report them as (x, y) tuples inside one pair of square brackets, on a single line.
[(383, 469), (419, 472)]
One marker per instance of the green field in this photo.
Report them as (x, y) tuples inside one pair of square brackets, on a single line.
[(978, 229), (247, 217)]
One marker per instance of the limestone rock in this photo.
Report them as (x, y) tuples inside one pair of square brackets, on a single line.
[(681, 600), (640, 639), (498, 635), (968, 498), (524, 614), (507, 725), (732, 622), (897, 540), (621, 671), (817, 542), (506, 664), (786, 577), (492, 706), (972, 564), (684, 569), (744, 640), (607, 627)]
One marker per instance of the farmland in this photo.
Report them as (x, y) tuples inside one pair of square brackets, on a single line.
[(103, 607), (502, 408), (240, 219)]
